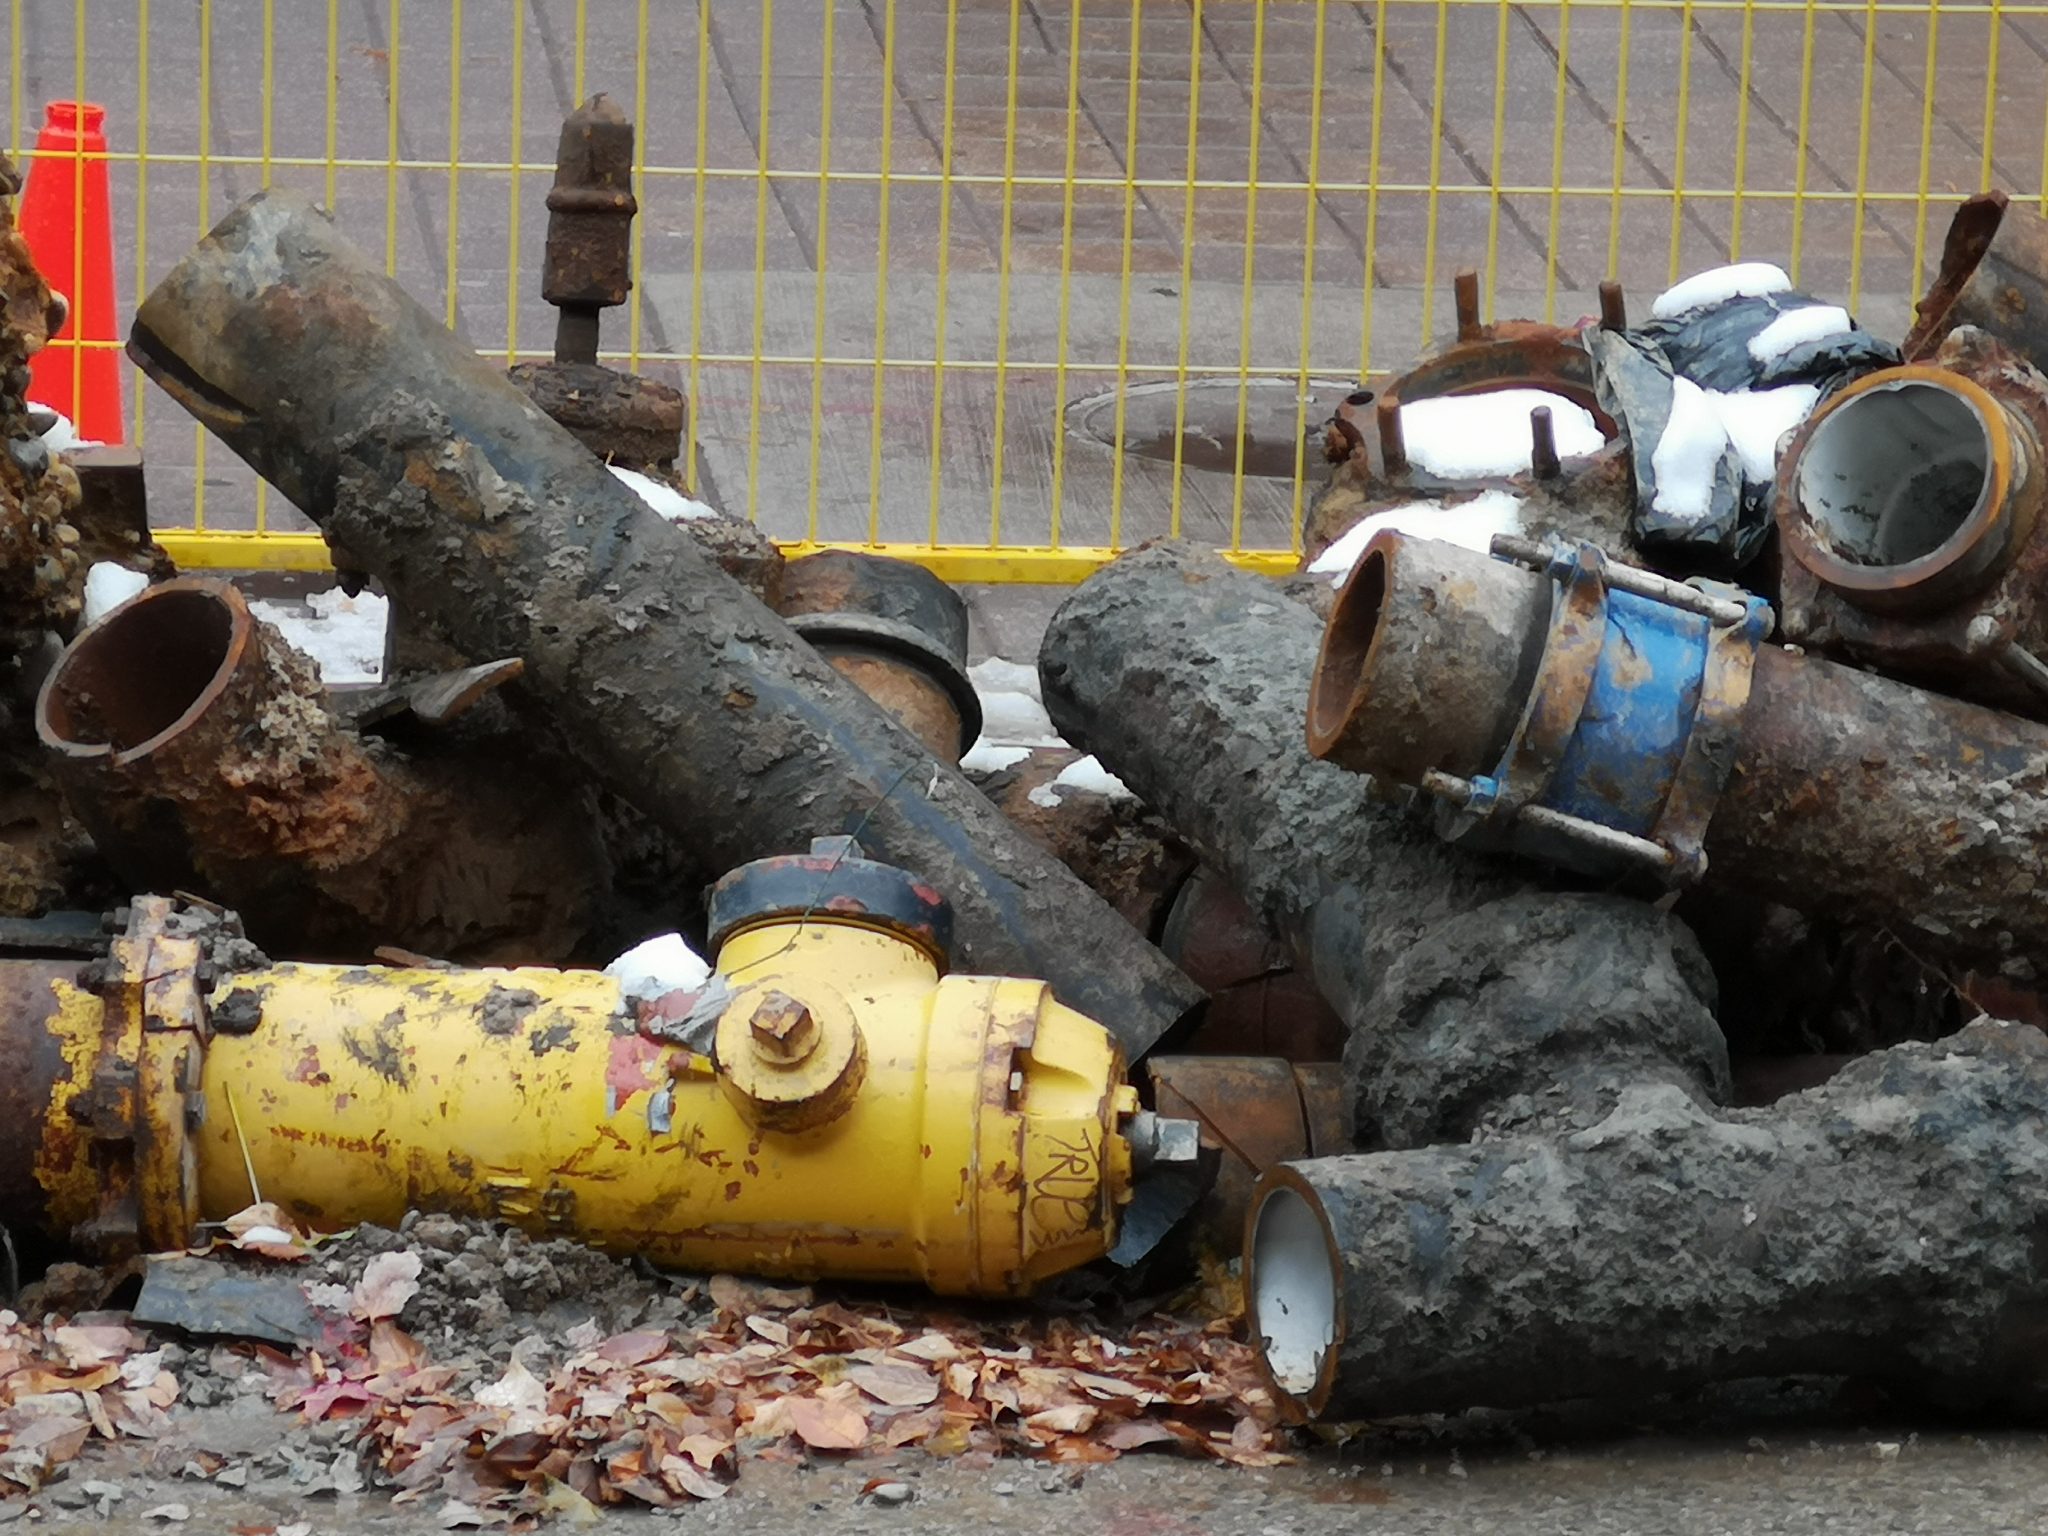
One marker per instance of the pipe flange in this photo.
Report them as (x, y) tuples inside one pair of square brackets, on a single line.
[(833, 883), (899, 638)]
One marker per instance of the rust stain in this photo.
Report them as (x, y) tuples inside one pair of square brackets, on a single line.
[(732, 1190)]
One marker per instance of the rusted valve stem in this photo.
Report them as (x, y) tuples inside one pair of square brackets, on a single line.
[(590, 223)]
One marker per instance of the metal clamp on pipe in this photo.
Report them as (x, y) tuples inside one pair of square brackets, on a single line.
[(1553, 703)]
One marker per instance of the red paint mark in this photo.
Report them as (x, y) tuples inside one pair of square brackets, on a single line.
[(630, 1067), (342, 1101), (308, 1069)]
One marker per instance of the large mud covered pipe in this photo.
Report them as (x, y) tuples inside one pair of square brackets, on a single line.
[(676, 689), (1883, 1226), (196, 747), (1473, 1000), (1645, 734)]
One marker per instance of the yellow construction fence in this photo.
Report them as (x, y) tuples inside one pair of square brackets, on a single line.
[(1005, 285)]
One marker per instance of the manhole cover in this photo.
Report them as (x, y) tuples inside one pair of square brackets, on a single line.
[(1276, 417)]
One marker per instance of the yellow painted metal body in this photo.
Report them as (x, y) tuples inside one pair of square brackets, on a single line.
[(977, 1151)]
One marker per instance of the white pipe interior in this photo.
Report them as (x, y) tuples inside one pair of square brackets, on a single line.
[(1892, 475), (1294, 1289)]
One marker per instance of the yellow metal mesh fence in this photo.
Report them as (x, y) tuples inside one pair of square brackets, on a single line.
[(1005, 285)]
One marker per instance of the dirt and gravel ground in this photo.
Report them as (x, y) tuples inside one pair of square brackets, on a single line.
[(1790, 1479), (1794, 1458)]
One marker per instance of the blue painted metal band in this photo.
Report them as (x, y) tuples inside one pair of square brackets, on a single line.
[(1623, 759)]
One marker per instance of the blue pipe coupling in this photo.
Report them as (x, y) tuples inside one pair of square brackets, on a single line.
[(1551, 702)]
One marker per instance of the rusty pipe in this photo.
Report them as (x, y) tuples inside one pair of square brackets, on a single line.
[(195, 745), (1909, 506), (1655, 734), (676, 689), (896, 632)]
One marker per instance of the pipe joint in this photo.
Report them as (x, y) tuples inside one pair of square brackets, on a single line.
[(1610, 715)]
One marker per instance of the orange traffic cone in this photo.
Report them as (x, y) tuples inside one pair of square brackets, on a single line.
[(67, 217)]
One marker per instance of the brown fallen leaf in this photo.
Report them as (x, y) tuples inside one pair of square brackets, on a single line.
[(900, 1386), (634, 1348), (683, 1475), (826, 1422), (390, 1280), (1068, 1419)]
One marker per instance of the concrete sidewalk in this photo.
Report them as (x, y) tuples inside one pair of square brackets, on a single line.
[(784, 272)]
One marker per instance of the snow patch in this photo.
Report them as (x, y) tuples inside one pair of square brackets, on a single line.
[(664, 499), (108, 586), (1013, 721), (1470, 525), (62, 436), (657, 967), (1796, 328), (1086, 774), (1756, 421), (1688, 453), (1744, 280), (999, 676), (1467, 437), (343, 635), (986, 756), (1016, 720)]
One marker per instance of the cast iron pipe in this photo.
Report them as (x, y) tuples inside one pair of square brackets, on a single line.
[(1186, 678), (1884, 1226), (678, 690), (1612, 730), (897, 632), (195, 745), (1909, 506)]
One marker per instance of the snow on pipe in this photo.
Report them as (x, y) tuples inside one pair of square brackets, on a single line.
[(196, 747), (1910, 508), (1882, 1226), (685, 695), (1610, 720)]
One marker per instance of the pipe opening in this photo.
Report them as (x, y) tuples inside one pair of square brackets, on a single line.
[(1347, 642), (136, 673), (1893, 474), (1294, 1291)]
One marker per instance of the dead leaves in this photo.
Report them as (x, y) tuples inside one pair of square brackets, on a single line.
[(389, 1281), (655, 1418), (62, 1384)]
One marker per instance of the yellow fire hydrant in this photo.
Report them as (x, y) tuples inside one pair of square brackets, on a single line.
[(828, 1104)]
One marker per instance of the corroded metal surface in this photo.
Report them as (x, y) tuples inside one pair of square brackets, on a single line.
[(671, 685), (897, 632), (196, 746), (1261, 1003), (589, 261), (30, 1064), (1865, 798), (1963, 614), (1420, 659), (1993, 275), (1256, 1112)]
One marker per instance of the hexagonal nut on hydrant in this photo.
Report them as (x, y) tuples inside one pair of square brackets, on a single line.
[(782, 1028)]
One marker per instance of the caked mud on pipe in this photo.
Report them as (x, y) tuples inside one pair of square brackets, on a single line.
[(194, 744)]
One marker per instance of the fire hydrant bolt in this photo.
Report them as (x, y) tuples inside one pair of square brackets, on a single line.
[(783, 1029)]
